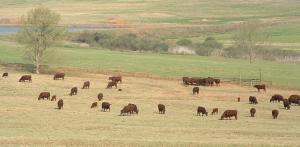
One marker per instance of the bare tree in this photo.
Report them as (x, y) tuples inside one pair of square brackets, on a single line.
[(39, 32)]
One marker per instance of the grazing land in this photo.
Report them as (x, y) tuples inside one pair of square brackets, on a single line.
[(27, 121)]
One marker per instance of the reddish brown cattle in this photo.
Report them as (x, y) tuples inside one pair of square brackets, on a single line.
[(217, 81), (195, 90), (86, 85), (286, 104), (185, 80), (201, 110), (53, 98), (58, 76), (125, 110), (44, 95), (115, 79), (94, 105), (105, 106), (100, 96), (60, 104), (229, 114), (25, 78), (215, 111), (73, 91), (133, 108), (259, 87), (252, 112), (4, 75), (253, 100), (111, 84), (294, 99), (276, 98), (275, 113), (161, 108)]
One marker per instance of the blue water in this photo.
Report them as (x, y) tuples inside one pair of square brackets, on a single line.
[(15, 29)]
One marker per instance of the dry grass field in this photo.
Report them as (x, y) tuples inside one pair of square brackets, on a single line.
[(25, 121)]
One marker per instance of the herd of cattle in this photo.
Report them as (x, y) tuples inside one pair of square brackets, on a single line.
[(133, 109)]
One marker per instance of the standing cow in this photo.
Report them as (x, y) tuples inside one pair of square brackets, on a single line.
[(252, 112), (215, 111), (286, 104), (25, 78), (100, 96), (44, 95), (201, 110), (276, 98), (294, 99), (229, 114), (111, 84), (259, 87), (195, 90), (115, 79), (4, 75), (105, 106), (161, 108), (275, 113), (60, 104), (86, 85), (58, 76), (253, 100), (73, 91)]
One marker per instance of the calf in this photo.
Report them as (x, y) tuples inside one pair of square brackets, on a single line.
[(44, 95), (105, 106), (4, 75), (229, 114), (196, 90), (60, 104), (53, 98), (275, 113), (58, 76), (73, 91), (161, 108), (94, 105), (286, 104), (252, 100), (252, 112), (201, 110), (111, 84), (215, 111), (259, 87), (100, 96), (86, 85), (25, 78)]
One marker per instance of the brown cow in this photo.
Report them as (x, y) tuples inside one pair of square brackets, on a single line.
[(275, 113), (238, 99), (209, 81), (286, 104), (276, 98), (201, 110), (125, 110), (25, 78), (252, 100), (230, 113), (133, 108), (215, 111), (185, 80), (60, 104), (105, 106), (217, 81), (161, 108), (4, 75), (195, 90), (294, 99), (252, 112), (86, 85), (53, 98), (44, 95), (94, 105), (73, 91), (116, 79), (111, 84), (259, 87), (100, 96), (58, 76)]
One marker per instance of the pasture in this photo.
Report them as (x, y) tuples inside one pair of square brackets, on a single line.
[(26, 121)]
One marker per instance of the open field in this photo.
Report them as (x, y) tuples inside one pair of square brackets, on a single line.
[(27, 121)]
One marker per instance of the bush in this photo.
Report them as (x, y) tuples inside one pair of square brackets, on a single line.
[(208, 47), (184, 42)]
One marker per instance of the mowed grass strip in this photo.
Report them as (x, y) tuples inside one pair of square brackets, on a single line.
[(27, 121)]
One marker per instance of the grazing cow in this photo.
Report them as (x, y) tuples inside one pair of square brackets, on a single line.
[(275, 113), (195, 90), (259, 87), (111, 84), (238, 99), (217, 81), (25, 78), (161, 108), (133, 108), (115, 79), (100, 96), (73, 91), (86, 85), (53, 98), (201, 110), (294, 99), (230, 113), (125, 110), (286, 104), (94, 105), (209, 81), (4, 75), (252, 100), (276, 98), (252, 112), (215, 111), (58, 76), (60, 104), (44, 95), (105, 106)]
